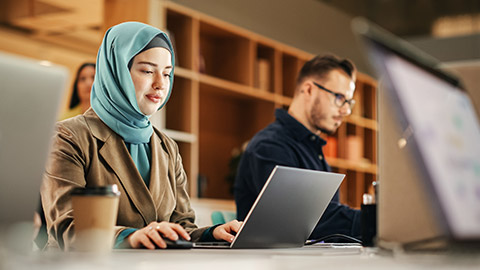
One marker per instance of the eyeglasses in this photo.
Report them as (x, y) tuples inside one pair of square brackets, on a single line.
[(340, 99)]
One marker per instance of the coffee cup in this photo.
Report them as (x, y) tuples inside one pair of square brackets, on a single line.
[(95, 214)]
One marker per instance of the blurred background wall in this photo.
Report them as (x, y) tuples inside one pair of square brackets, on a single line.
[(69, 32)]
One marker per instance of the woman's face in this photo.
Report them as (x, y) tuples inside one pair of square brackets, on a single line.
[(84, 84), (150, 73)]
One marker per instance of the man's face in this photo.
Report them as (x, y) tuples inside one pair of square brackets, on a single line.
[(324, 115)]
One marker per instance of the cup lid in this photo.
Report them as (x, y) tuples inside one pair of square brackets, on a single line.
[(109, 190)]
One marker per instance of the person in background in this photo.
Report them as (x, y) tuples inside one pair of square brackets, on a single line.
[(114, 142), (322, 98), (82, 86)]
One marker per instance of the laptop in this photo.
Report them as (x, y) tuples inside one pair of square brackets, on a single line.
[(437, 134), (286, 211), (29, 98)]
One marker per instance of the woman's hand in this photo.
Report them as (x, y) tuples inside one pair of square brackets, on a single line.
[(151, 235), (226, 231)]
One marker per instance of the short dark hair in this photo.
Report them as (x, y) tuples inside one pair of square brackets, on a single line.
[(320, 66)]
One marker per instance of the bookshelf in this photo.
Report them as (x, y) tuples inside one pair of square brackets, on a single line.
[(222, 98)]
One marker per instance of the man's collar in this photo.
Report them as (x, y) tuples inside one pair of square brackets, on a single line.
[(299, 131)]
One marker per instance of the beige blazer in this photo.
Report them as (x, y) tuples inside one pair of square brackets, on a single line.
[(86, 152)]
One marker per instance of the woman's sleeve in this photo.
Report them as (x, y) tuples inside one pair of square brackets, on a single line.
[(183, 213), (64, 172)]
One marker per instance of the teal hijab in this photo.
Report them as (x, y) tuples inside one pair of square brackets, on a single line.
[(113, 93)]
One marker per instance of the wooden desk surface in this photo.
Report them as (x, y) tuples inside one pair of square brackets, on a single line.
[(197, 259)]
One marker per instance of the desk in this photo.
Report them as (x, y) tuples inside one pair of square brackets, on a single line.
[(199, 259)]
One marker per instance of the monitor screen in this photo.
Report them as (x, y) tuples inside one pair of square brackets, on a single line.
[(445, 135)]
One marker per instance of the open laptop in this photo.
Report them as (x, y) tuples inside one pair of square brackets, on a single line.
[(438, 128), (29, 98), (287, 209)]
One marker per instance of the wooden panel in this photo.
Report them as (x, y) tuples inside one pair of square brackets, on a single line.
[(235, 89), (117, 11), (12, 9), (85, 40), (195, 45), (351, 179), (341, 135), (343, 187), (278, 72), (362, 121), (195, 110), (226, 123), (358, 96), (351, 129), (224, 55), (352, 165), (358, 191), (369, 102), (290, 69), (370, 145), (250, 65), (53, 16), (179, 106), (180, 28)]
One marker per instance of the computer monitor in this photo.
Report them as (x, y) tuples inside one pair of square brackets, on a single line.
[(431, 131), (29, 100)]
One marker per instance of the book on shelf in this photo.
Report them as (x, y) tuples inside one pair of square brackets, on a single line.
[(262, 74), (330, 149), (354, 148)]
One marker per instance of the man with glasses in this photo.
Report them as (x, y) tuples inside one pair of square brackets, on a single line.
[(322, 98)]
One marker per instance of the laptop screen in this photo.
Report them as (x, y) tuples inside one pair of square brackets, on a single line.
[(29, 98), (442, 127)]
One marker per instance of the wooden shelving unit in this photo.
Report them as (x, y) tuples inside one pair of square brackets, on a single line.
[(217, 100)]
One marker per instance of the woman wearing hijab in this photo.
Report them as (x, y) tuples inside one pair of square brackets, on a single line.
[(115, 143)]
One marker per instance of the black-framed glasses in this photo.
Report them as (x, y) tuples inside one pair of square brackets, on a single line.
[(340, 99)]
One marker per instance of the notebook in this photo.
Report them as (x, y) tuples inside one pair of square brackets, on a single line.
[(287, 209), (29, 99), (435, 144)]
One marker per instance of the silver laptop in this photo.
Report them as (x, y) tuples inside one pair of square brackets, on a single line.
[(441, 131), (287, 209), (29, 99)]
